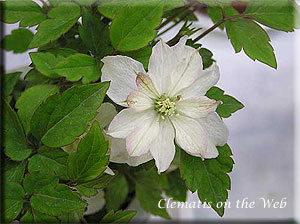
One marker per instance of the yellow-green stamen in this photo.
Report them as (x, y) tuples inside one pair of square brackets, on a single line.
[(165, 106)]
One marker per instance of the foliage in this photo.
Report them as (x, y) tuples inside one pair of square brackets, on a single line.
[(56, 154)]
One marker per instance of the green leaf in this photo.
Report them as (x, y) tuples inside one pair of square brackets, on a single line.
[(95, 35), (253, 39), (26, 11), (118, 217), (111, 8), (90, 160), (176, 187), (71, 217), (34, 182), (49, 161), (88, 189), (229, 104), (14, 139), (13, 195), (64, 52), (33, 216), (116, 192), (45, 63), (61, 19), (149, 192), (9, 82), (206, 57), (33, 77), (134, 27), (209, 177), (78, 66), (56, 200), (215, 13), (142, 55), (13, 171), (18, 41), (60, 119), (30, 101), (280, 15)]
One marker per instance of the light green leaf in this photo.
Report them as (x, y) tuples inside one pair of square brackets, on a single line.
[(56, 200), (116, 192), (13, 171), (60, 119), (280, 15), (34, 182), (49, 161), (18, 41), (111, 8), (176, 187), (45, 63), (229, 104), (142, 55), (61, 19), (14, 139), (78, 66), (134, 27), (118, 217), (13, 196), (26, 11), (248, 35), (89, 160), (208, 177), (95, 35), (33, 216), (64, 52), (149, 192), (30, 101)]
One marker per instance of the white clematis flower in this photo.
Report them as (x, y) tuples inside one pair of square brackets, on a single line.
[(164, 104)]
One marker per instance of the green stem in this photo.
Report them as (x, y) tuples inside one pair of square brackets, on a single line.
[(217, 25)]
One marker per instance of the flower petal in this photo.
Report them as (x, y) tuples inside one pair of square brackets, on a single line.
[(208, 78), (163, 148), (138, 142), (197, 107), (121, 71), (216, 129), (190, 135), (139, 101), (118, 153), (126, 121)]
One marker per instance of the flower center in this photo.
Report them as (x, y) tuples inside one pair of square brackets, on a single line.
[(166, 106)]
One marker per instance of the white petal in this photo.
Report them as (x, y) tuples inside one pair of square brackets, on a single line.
[(139, 101), (118, 153), (208, 78), (190, 135), (216, 129), (211, 151), (126, 121), (163, 148), (197, 107), (109, 171), (138, 142), (121, 71)]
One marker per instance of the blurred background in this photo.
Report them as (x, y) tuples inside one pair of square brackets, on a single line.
[(261, 135)]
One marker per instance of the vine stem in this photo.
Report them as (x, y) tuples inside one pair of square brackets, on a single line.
[(217, 25)]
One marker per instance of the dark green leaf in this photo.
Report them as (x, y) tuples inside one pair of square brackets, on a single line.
[(176, 186), (13, 171), (30, 101), (229, 104), (280, 15), (33, 77), (90, 160), (116, 192), (34, 182), (49, 161), (65, 52), (208, 177), (45, 63), (206, 57), (13, 196), (135, 25), (33, 216), (149, 192), (61, 19), (110, 8), (60, 119), (248, 35), (14, 139), (71, 217), (9, 82), (118, 217), (26, 11), (18, 41), (78, 66), (56, 200), (141, 55)]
